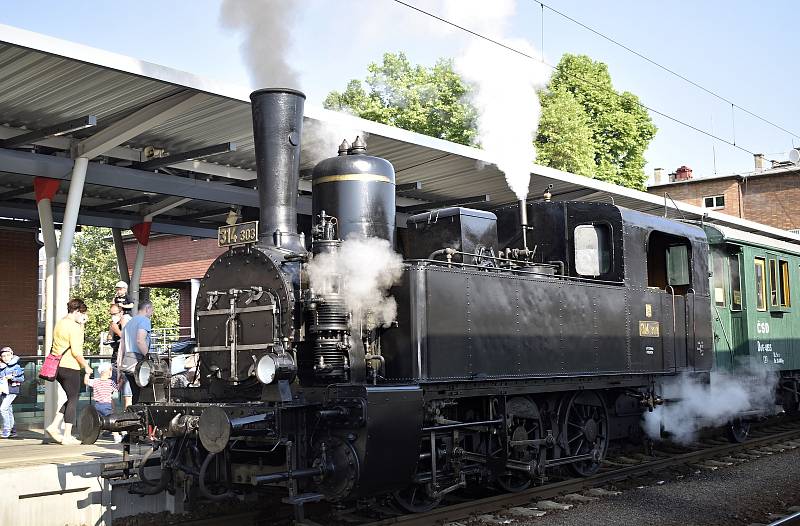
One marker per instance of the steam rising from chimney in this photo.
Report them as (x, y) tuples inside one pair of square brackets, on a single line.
[(504, 83), (266, 27), (504, 88)]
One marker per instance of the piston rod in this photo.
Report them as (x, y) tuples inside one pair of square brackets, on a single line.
[(287, 475)]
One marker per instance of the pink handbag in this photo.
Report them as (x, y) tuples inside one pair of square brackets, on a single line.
[(50, 367)]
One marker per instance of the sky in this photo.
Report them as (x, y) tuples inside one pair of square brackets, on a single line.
[(744, 51)]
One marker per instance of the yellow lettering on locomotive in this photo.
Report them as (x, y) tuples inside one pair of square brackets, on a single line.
[(649, 329), (239, 234)]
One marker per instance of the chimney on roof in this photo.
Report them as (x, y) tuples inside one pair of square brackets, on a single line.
[(758, 158), (658, 175), (684, 173)]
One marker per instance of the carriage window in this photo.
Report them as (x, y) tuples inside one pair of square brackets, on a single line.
[(761, 284), (736, 282), (785, 296), (773, 283), (719, 279), (592, 250)]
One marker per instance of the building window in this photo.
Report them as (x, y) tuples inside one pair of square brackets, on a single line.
[(592, 249), (761, 284), (714, 201)]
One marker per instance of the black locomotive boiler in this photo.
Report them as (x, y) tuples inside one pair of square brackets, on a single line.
[(525, 340)]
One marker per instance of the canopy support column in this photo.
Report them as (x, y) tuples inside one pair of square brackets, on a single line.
[(45, 189), (122, 259)]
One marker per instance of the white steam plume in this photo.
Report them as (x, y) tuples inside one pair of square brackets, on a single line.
[(367, 268), (701, 405), (321, 139), (504, 90), (266, 27)]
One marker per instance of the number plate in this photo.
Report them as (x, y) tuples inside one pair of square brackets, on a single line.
[(240, 234), (649, 329)]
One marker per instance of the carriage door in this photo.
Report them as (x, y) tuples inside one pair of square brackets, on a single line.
[(720, 315), (738, 328)]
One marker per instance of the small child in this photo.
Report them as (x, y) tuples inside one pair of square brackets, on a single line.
[(103, 389), (11, 376), (122, 298)]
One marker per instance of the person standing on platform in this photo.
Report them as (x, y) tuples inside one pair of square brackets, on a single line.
[(118, 322), (135, 344), (11, 376), (68, 343), (122, 298), (103, 390)]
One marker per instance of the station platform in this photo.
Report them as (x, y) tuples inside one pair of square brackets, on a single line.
[(51, 484)]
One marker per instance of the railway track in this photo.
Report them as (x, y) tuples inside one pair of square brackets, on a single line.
[(614, 471), (618, 468)]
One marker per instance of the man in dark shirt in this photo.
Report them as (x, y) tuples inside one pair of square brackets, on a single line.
[(118, 322)]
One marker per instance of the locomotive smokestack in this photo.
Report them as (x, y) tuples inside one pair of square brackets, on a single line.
[(523, 220), (277, 125)]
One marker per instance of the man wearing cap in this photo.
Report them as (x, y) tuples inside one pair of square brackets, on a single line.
[(122, 299)]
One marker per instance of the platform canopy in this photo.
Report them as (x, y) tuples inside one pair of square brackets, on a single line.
[(192, 138)]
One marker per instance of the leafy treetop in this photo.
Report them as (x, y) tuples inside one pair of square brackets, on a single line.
[(433, 101)]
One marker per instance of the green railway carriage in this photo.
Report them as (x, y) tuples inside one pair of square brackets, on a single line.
[(755, 289)]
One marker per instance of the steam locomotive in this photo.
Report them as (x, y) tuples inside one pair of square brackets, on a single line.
[(525, 340)]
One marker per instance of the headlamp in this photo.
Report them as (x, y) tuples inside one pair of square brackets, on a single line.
[(273, 367), (143, 373)]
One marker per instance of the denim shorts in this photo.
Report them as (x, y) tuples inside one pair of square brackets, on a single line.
[(104, 408)]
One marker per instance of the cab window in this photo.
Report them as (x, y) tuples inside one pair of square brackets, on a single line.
[(669, 263), (592, 250), (761, 284)]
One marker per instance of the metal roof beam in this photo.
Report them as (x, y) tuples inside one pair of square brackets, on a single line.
[(165, 205), (55, 130), (229, 172), (33, 164), (198, 153), (448, 202), (110, 220), (11, 194), (407, 187), (137, 123), (569, 195), (207, 213), (114, 205)]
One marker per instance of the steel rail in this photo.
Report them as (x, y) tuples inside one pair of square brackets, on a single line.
[(498, 502)]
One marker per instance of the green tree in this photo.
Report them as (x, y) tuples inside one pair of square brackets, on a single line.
[(94, 259), (580, 102), (432, 101), (564, 139)]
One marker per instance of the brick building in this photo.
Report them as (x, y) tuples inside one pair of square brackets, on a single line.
[(175, 262), (770, 196), (18, 288)]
